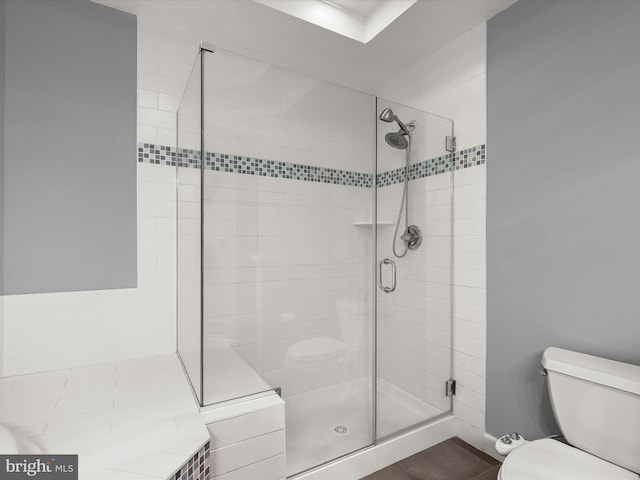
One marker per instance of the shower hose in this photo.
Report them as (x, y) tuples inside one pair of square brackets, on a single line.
[(404, 204)]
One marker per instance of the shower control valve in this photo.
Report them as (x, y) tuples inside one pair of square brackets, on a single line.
[(412, 237)]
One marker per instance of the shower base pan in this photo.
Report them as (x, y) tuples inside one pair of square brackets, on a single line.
[(334, 421)]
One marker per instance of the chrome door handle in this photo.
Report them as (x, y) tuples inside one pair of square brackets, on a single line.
[(387, 261)]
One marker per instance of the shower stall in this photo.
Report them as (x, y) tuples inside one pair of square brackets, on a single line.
[(288, 198)]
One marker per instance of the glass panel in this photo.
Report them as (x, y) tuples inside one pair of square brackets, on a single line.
[(414, 320), (288, 251), (188, 174)]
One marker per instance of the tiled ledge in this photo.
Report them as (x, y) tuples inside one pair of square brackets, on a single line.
[(124, 419)]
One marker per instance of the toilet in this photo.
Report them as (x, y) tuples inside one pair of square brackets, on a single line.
[(328, 350), (314, 350), (596, 403)]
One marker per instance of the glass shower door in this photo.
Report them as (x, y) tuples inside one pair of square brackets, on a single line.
[(188, 229), (287, 275), (414, 337), (287, 251)]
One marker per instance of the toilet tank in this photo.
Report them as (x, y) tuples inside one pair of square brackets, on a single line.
[(597, 404)]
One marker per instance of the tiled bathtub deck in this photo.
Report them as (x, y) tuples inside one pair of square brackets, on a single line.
[(129, 419)]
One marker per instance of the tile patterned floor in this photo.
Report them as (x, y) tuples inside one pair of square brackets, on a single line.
[(452, 459)]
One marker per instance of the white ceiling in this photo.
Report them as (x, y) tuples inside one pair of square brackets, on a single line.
[(252, 29), (361, 7), (360, 20)]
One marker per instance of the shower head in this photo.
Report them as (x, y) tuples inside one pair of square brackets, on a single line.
[(397, 140), (387, 115)]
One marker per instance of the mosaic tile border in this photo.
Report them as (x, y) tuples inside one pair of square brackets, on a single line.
[(197, 468), (293, 171), (163, 155), (219, 162), (469, 157)]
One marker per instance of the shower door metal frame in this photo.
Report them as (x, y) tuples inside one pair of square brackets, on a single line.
[(203, 52)]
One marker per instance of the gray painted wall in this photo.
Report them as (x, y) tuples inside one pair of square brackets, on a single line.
[(2, 48), (70, 172), (563, 196)]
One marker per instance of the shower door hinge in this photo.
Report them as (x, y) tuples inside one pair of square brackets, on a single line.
[(450, 143), (450, 387)]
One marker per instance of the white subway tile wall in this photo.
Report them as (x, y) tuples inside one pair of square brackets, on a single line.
[(281, 259), (452, 82), (189, 274), (469, 294), (414, 338), (282, 255), (58, 330), (188, 230), (165, 59), (248, 443)]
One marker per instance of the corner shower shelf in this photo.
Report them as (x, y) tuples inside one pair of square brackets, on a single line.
[(368, 224)]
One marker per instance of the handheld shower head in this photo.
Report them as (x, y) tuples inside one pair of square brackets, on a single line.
[(396, 139), (387, 115)]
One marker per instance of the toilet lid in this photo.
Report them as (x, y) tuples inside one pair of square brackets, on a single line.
[(549, 459), (318, 348)]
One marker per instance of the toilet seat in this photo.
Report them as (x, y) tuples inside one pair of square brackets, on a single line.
[(549, 459), (314, 349)]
